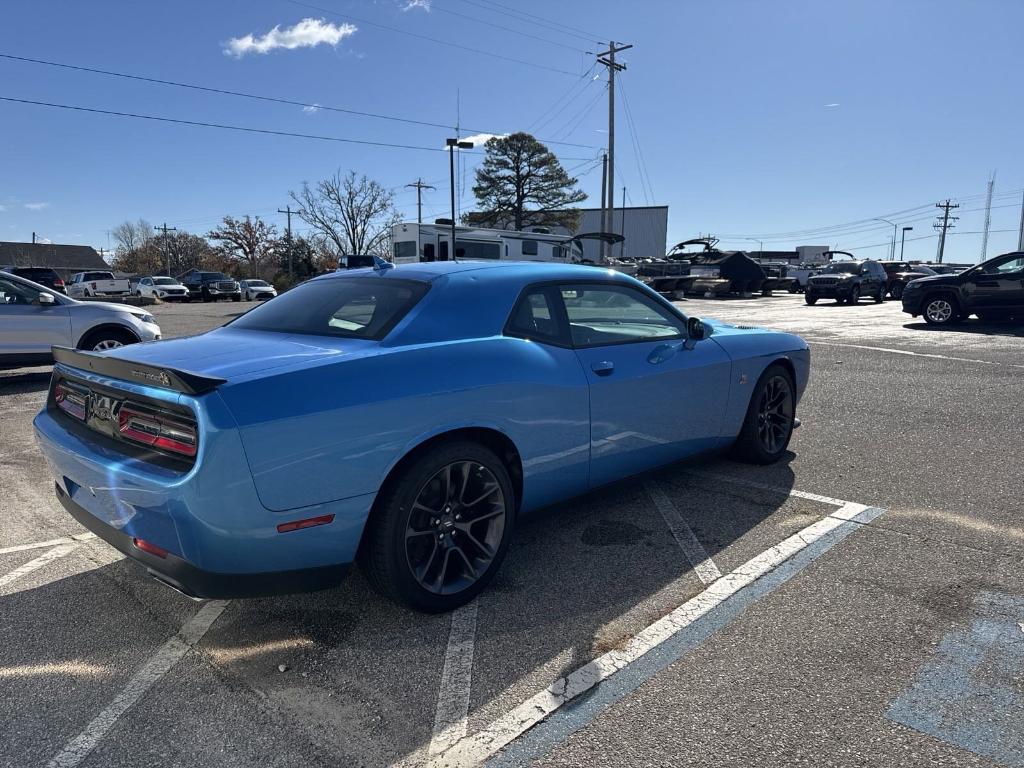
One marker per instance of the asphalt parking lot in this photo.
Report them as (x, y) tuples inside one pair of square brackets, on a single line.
[(860, 603)]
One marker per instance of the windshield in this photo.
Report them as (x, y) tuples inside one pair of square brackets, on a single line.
[(363, 308), (256, 284), (164, 281), (842, 267)]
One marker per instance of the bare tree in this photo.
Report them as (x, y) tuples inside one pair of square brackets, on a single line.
[(132, 235), (354, 213), (249, 240)]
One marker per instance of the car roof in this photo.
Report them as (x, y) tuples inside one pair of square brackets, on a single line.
[(526, 271)]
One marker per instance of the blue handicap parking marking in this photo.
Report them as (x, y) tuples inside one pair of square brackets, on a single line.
[(971, 694)]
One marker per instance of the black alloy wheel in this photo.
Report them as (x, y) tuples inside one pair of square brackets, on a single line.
[(440, 528), (769, 423), (854, 295), (880, 296)]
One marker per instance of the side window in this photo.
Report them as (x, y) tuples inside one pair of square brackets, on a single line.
[(613, 314), (529, 247), (1006, 267), (16, 293), (536, 316), (557, 252)]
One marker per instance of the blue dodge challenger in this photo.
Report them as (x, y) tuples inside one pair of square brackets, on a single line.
[(402, 417)]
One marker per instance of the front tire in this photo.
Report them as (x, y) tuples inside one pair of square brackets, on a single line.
[(880, 296), (810, 299), (854, 296), (897, 291), (941, 310), (106, 338), (768, 425), (440, 529)]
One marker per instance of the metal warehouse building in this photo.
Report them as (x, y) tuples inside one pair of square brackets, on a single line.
[(644, 227)]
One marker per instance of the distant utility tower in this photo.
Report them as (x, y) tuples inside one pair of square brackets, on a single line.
[(607, 58), (988, 216), (944, 223), (420, 186)]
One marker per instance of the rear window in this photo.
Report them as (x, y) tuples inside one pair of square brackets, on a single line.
[(98, 276), (362, 308), (32, 273)]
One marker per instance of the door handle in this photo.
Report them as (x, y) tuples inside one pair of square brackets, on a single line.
[(602, 367)]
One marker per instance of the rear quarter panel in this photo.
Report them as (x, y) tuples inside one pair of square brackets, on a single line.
[(335, 431)]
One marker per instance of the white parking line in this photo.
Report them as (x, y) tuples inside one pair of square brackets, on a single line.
[(911, 354), (483, 744), (169, 654), (451, 716), (702, 564), (34, 565), (50, 543)]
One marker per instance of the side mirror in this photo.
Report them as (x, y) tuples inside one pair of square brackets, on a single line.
[(695, 329), (46, 300)]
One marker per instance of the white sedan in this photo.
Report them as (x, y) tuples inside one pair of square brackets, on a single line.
[(256, 290), (163, 288)]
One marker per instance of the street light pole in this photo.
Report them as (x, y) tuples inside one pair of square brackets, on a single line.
[(760, 246), (892, 246), (452, 144), (903, 238)]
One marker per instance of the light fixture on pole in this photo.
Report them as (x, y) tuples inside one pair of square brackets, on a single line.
[(903, 238), (452, 144), (892, 247)]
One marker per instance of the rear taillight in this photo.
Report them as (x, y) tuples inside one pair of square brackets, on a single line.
[(58, 283), (71, 400), (157, 430), (149, 547)]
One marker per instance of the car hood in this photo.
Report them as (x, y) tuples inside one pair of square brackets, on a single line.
[(85, 307), (936, 280), (233, 354)]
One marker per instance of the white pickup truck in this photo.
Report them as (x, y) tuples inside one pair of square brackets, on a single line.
[(87, 284)]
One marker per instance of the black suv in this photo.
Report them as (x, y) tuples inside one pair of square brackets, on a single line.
[(847, 282), (211, 286), (992, 290), (42, 275)]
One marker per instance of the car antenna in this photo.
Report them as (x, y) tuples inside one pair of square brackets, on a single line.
[(381, 265)]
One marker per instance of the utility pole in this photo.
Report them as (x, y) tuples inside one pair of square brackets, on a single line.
[(604, 205), (1020, 235), (103, 253), (607, 58), (420, 186), (167, 251), (946, 222), (903, 240), (988, 216), (622, 245), (288, 236), (33, 238)]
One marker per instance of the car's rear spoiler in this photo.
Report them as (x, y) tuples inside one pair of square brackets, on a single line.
[(154, 375)]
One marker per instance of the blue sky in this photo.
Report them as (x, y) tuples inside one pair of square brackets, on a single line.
[(754, 118)]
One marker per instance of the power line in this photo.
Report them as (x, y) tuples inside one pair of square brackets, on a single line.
[(435, 40), (242, 128), (641, 161), (566, 102), (574, 122), (547, 40), (551, 23), (255, 96)]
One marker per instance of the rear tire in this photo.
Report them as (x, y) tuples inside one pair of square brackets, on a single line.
[(768, 425), (455, 501), (880, 296)]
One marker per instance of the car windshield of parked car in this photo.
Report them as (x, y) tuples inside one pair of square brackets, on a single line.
[(164, 281), (364, 308), (213, 276), (921, 270), (842, 267), (614, 314), (256, 284)]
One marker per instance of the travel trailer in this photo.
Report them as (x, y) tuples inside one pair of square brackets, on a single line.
[(414, 242)]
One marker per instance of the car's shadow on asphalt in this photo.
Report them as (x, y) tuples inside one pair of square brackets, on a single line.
[(21, 382), (977, 327), (580, 579)]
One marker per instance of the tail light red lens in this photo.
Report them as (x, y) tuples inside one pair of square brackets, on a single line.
[(71, 400), (149, 547), (157, 429), (58, 283), (309, 522)]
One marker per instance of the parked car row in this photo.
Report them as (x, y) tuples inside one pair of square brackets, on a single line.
[(993, 290)]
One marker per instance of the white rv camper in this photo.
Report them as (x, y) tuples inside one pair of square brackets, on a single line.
[(431, 242)]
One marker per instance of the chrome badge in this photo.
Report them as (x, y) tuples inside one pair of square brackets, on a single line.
[(160, 377)]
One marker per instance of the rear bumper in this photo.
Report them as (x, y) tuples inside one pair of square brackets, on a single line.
[(196, 582)]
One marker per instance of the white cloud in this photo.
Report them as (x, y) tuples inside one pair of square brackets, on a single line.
[(44, 240), (308, 33), (36, 206), (413, 4), (312, 109), (479, 139), (3, 208), (831, 105)]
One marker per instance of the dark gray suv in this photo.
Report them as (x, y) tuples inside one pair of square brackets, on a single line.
[(847, 282)]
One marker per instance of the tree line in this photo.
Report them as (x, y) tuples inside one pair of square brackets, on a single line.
[(520, 184)]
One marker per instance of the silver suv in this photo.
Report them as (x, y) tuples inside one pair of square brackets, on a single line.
[(34, 318)]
